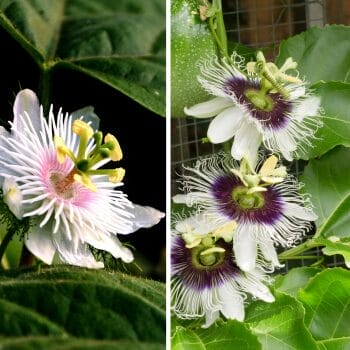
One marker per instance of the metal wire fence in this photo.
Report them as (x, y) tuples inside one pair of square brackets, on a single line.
[(255, 23)]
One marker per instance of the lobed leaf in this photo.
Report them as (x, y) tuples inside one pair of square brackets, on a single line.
[(294, 280), (280, 325), (327, 182), (327, 303), (321, 53), (229, 335), (335, 131)]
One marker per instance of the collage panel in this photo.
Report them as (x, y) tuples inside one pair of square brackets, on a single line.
[(259, 149), (82, 174)]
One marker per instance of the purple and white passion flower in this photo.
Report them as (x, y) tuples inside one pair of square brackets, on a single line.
[(50, 171), (257, 103), (266, 205), (205, 279)]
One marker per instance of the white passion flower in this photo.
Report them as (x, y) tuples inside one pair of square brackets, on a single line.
[(265, 204), (205, 278), (257, 103), (50, 172)]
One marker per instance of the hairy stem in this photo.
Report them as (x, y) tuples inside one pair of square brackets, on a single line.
[(6, 240)]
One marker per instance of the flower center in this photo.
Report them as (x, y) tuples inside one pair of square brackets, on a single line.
[(63, 185), (246, 200), (270, 109), (204, 257), (259, 99)]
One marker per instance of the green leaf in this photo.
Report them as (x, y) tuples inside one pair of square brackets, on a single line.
[(335, 344), (55, 343), (294, 280), (321, 53), (121, 43), (191, 41), (327, 303), (335, 97), (82, 303), (280, 325), (327, 181), (336, 246), (226, 336)]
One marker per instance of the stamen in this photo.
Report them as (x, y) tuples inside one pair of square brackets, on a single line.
[(85, 132), (116, 153)]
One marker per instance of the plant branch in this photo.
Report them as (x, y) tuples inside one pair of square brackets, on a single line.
[(296, 251)]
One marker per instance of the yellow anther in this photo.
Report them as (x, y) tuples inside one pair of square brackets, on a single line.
[(85, 181), (226, 231), (61, 149), (268, 166), (116, 151), (191, 240), (116, 175), (81, 128)]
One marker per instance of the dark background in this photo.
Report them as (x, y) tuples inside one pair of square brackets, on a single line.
[(140, 132)]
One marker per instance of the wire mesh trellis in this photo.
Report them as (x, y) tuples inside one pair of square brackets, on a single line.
[(255, 23)]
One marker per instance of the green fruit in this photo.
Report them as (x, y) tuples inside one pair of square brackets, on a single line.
[(191, 40)]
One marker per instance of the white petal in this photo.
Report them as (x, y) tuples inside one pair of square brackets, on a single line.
[(4, 132), (189, 198), (252, 154), (246, 142), (269, 252), (224, 126), (286, 144), (232, 307), (39, 243), (210, 317), (5, 156), (180, 198), (198, 224), (77, 254), (295, 210), (12, 196), (308, 107), (209, 108), (143, 217), (259, 290), (110, 244), (26, 101), (244, 248)]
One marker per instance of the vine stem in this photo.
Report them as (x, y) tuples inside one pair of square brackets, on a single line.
[(6, 240), (296, 251), (217, 28)]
